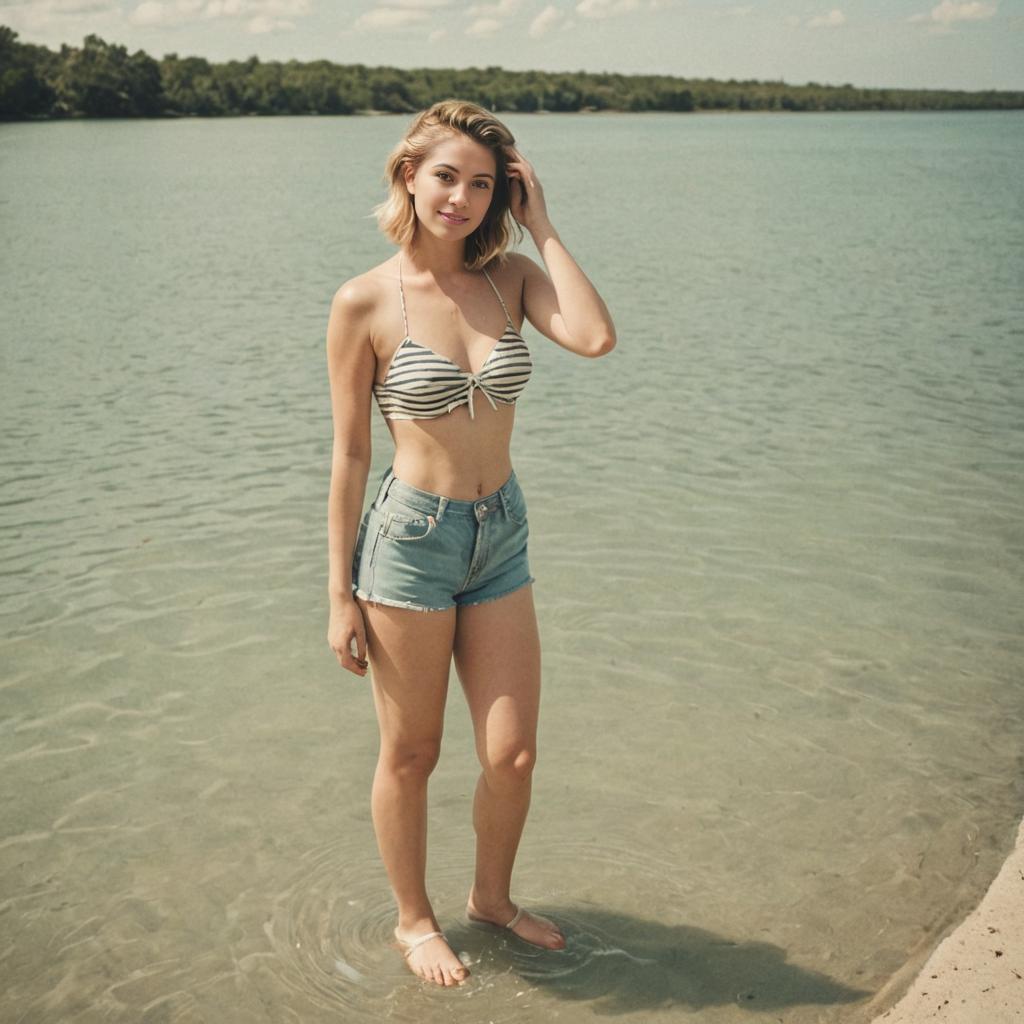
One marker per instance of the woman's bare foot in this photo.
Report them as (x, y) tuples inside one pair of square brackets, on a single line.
[(532, 928), (430, 956)]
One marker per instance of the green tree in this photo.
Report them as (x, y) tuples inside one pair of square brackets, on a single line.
[(23, 91), (101, 80)]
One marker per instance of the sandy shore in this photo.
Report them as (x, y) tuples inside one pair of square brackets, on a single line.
[(976, 975)]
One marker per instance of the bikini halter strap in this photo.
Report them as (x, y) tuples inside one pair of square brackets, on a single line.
[(401, 294), (496, 292)]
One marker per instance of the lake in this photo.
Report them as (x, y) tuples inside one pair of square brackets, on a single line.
[(778, 536)]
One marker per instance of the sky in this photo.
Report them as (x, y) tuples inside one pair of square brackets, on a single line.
[(872, 43)]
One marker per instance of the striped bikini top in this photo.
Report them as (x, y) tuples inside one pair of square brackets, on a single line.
[(422, 385)]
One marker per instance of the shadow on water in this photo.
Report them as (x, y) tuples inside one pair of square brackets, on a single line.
[(623, 963)]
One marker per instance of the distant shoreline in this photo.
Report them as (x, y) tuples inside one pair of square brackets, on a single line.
[(102, 80), (607, 112)]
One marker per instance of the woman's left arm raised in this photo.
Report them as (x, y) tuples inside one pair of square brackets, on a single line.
[(562, 303)]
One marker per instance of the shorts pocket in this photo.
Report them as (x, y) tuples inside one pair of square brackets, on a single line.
[(398, 510), (357, 551), (406, 528), (515, 505)]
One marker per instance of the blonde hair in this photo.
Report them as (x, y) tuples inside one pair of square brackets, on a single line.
[(396, 216)]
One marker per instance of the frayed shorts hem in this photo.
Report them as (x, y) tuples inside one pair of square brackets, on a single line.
[(409, 606), (495, 597)]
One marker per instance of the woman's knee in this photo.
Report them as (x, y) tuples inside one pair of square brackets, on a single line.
[(512, 763), (410, 758)]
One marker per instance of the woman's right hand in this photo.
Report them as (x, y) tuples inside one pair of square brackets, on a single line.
[(345, 626), (526, 199)]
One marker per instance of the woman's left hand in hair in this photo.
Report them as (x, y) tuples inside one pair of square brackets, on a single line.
[(526, 195)]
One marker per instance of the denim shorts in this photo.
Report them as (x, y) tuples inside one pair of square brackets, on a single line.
[(427, 552)]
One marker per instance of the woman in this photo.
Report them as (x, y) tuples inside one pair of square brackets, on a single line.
[(438, 568)]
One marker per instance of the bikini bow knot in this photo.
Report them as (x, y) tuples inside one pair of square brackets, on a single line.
[(475, 382)]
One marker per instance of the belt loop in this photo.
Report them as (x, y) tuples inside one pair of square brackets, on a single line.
[(385, 484), (503, 500), (442, 504)]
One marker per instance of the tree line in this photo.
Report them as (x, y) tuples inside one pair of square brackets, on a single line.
[(101, 79)]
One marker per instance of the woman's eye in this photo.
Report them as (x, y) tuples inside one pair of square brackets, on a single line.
[(482, 184), (444, 175)]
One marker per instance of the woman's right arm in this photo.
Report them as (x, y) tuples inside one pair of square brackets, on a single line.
[(350, 367)]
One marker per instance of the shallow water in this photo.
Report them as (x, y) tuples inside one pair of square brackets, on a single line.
[(777, 534)]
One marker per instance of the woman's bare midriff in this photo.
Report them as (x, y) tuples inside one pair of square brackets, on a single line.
[(454, 455)]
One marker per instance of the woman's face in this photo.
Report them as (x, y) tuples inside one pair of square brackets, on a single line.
[(453, 187)]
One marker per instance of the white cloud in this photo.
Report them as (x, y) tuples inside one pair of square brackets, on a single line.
[(947, 13), (153, 12), (833, 19), (483, 27), (419, 4), (78, 6), (501, 9), (55, 22), (545, 21), (605, 8), (148, 13), (262, 24), (738, 12), (214, 9), (59, 8), (389, 17), (437, 35), (283, 7), (263, 15)]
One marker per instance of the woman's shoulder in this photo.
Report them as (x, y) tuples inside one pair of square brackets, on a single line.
[(511, 271), (510, 265), (360, 296)]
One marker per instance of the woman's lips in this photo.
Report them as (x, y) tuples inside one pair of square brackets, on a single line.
[(453, 218)]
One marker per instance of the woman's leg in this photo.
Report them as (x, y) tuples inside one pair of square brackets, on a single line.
[(410, 653), (497, 654)]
